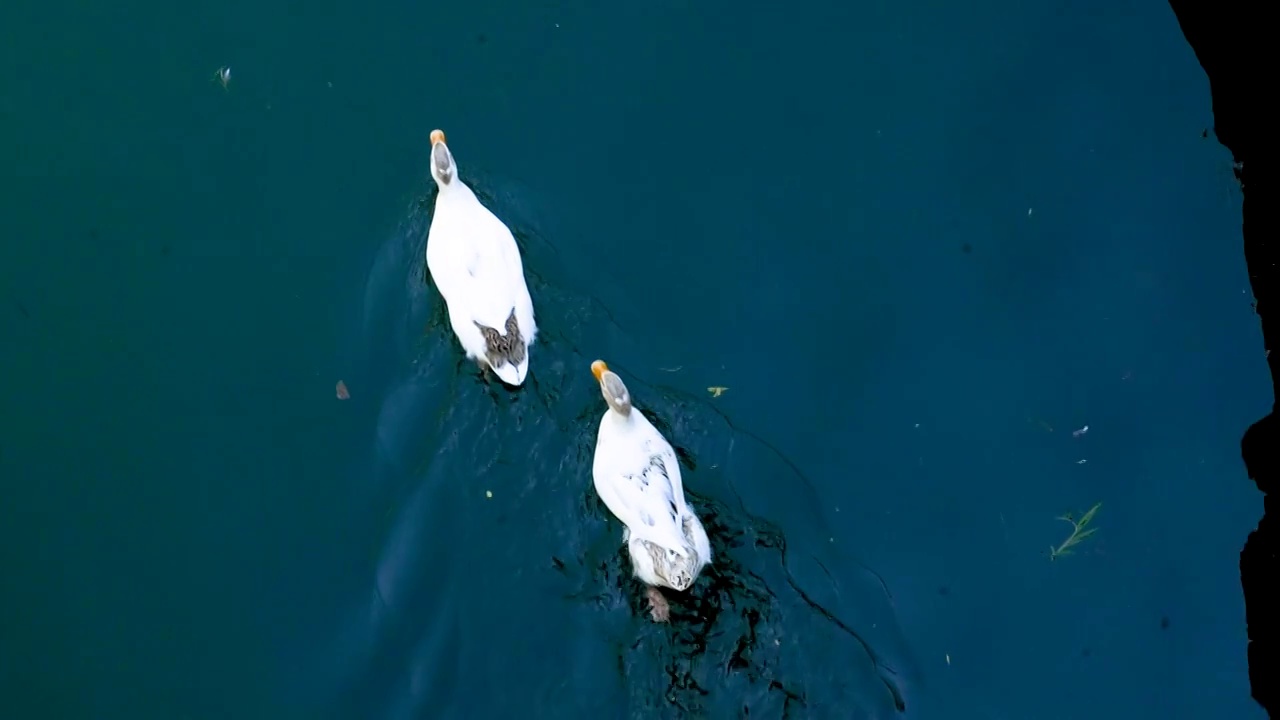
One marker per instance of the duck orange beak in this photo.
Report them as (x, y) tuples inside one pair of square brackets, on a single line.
[(598, 368), (437, 136)]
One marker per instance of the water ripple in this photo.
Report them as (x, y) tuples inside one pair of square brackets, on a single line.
[(478, 606)]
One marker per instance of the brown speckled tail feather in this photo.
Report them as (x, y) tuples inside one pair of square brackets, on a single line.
[(507, 348)]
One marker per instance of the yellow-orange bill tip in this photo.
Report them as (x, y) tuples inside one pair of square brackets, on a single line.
[(598, 368)]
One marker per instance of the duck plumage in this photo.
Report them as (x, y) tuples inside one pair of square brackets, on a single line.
[(476, 265)]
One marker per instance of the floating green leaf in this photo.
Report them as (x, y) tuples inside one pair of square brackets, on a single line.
[(1089, 515), (1078, 532)]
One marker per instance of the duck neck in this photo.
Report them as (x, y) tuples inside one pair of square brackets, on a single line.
[(623, 417), (459, 192)]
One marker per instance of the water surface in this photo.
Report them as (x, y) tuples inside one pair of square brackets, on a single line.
[(920, 246)]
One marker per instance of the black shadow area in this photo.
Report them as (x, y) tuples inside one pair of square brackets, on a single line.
[(1228, 40)]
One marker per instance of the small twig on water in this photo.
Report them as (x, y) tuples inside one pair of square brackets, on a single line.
[(1078, 532)]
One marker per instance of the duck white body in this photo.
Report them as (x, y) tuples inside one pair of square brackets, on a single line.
[(637, 475), (475, 263)]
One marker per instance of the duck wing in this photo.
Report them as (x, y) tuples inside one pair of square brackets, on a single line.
[(637, 480), (472, 254)]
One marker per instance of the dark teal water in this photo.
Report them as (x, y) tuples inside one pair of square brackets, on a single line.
[(919, 245)]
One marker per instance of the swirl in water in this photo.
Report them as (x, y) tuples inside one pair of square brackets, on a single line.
[(523, 603)]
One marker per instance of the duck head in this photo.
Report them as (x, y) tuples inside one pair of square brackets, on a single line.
[(443, 168), (611, 386)]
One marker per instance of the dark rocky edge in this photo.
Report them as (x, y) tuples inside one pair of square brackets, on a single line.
[(1226, 37)]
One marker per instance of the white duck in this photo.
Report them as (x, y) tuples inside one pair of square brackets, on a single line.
[(637, 475), (476, 265)]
